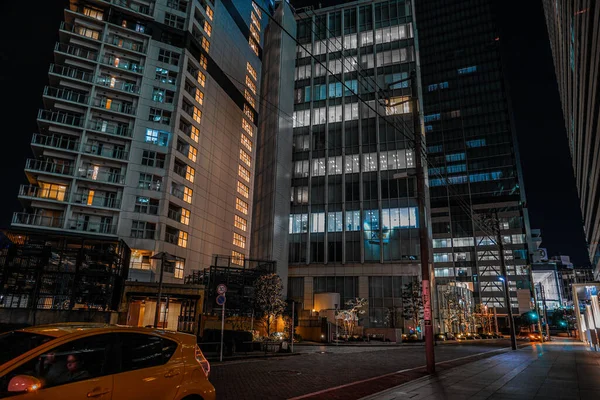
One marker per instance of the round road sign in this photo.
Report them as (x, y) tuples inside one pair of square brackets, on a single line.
[(220, 300), (221, 289)]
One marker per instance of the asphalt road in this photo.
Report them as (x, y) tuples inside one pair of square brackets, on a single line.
[(322, 367)]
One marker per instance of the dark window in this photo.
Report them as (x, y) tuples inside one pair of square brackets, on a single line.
[(144, 351)]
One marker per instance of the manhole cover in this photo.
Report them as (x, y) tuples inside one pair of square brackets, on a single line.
[(287, 372), (323, 352)]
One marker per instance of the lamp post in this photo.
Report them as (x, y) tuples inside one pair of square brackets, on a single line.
[(162, 256)]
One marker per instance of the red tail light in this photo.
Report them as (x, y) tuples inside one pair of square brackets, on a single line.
[(202, 361)]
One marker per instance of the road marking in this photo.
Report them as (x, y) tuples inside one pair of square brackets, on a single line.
[(504, 349)]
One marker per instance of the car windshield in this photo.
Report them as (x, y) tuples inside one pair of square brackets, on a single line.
[(14, 344)]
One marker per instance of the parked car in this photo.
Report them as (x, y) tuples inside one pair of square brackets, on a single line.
[(83, 360), (440, 337)]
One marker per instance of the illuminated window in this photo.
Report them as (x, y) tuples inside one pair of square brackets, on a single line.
[(207, 28), (249, 98), (182, 239), (398, 105), (197, 115), (253, 45), (257, 10), (245, 157), (209, 12), (250, 84), (187, 194), (201, 78), (205, 44), (194, 134), (251, 70), (179, 267), (254, 33), (241, 206), (243, 189), (237, 258), (246, 142), (248, 112), (255, 20), (90, 12), (90, 197), (239, 240), (244, 173), (199, 96), (192, 153), (190, 173), (247, 127), (185, 216), (203, 62), (240, 223)]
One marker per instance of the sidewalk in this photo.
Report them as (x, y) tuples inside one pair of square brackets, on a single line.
[(561, 369)]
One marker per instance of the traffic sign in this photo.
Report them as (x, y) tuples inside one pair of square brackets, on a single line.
[(221, 289), (221, 300)]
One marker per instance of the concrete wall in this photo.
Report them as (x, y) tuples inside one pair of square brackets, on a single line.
[(40, 317)]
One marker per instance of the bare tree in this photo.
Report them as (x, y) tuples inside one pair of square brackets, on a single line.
[(268, 299), (350, 316), (412, 303)]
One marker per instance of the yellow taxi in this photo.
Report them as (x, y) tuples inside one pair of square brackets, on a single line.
[(104, 362)]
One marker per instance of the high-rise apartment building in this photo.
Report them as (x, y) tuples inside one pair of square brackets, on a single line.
[(353, 225), (572, 28), (472, 150), (148, 129)]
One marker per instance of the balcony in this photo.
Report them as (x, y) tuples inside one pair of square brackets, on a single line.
[(81, 30), (55, 141), (36, 192), (120, 107), (174, 215), (60, 117), (110, 128), (76, 51), (96, 201), (115, 153), (117, 84), (65, 94), (171, 238), (122, 43), (92, 227), (72, 73), (135, 7), (48, 167), (122, 64), (102, 176), (20, 218)]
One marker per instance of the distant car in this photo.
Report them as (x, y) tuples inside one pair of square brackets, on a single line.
[(100, 361), (450, 336), (279, 336), (440, 337)]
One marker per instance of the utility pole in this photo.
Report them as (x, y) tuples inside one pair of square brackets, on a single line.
[(162, 256), (545, 312), (423, 226), (511, 321)]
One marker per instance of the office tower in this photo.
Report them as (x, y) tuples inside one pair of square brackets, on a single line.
[(474, 166), (575, 47), (353, 222), (148, 130)]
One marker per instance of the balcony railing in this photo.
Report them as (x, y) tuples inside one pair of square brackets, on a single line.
[(93, 227), (174, 215), (61, 118), (65, 94), (126, 44), (117, 84), (180, 170), (110, 128), (81, 30), (37, 220), (125, 108), (76, 51), (171, 238), (139, 8), (123, 64), (43, 193), (56, 141), (49, 167), (116, 153), (96, 201), (69, 72), (103, 176)]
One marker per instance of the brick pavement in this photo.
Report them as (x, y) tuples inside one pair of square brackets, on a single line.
[(561, 369), (284, 378)]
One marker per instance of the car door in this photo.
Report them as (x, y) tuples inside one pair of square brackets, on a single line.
[(151, 367), (79, 369)]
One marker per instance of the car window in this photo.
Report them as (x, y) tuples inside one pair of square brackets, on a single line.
[(144, 351), (74, 361), (14, 344)]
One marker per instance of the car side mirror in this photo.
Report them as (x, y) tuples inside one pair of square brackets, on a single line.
[(24, 383)]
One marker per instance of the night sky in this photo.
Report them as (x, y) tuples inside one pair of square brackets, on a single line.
[(29, 34)]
